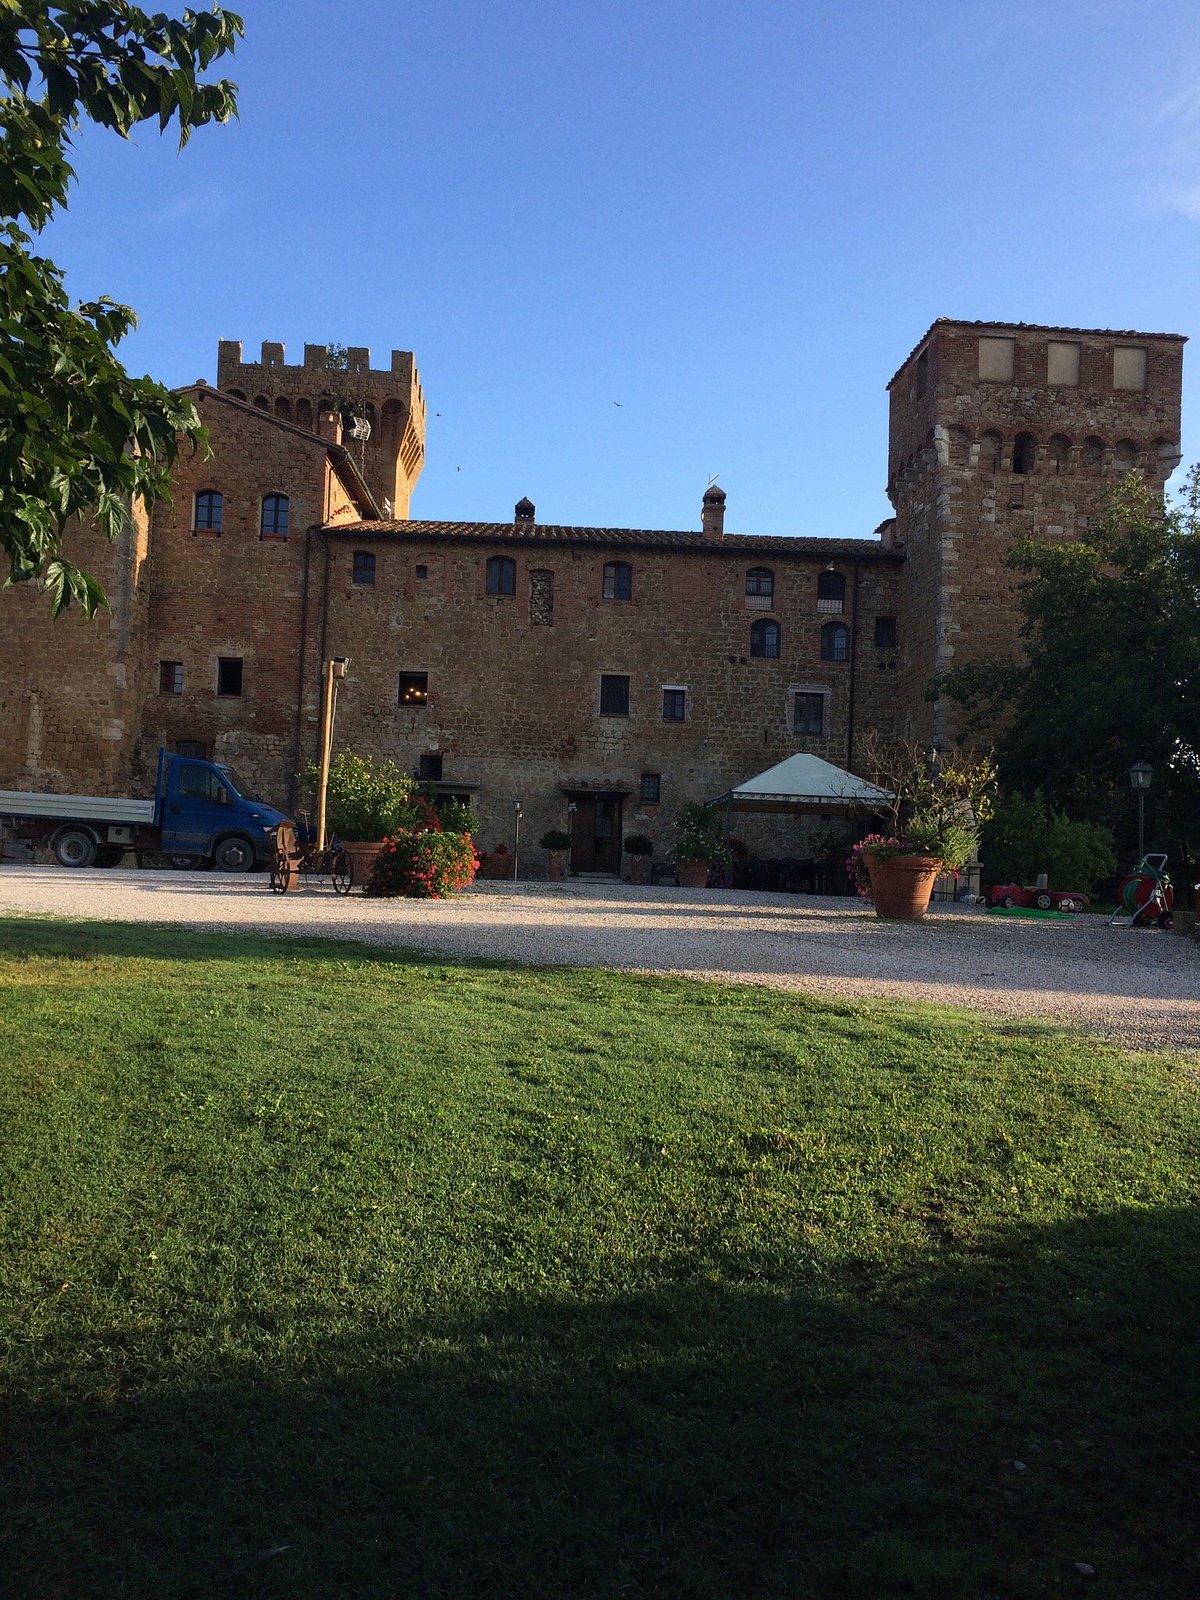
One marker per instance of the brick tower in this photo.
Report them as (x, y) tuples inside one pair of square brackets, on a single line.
[(390, 402), (1002, 431)]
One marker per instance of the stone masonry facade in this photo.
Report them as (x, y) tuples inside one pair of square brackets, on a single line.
[(601, 677)]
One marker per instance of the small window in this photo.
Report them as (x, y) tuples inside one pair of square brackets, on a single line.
[(614, 694), (650, 787), (229, 675), (363, 568), (170, 677), (414, 689), (885, 633), (274, 524), (831, 592), (996, 360), (422, 572), (765, 640), (196, 748), (618, 580), (808, 714), (210, 510), (501, 575), (1129, 367), (835, 642), (429, 766), (674, 705), (1062, 362), (760, 588)]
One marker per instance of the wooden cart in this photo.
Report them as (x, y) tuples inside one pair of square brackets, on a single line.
[(292, 860)]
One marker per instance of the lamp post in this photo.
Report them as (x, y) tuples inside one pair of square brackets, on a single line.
[(1141, 775), (516, 836)]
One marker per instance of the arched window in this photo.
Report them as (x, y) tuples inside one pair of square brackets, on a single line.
[(1024, 453), (283, 408), (303, 414), (831, 592), (236, 394), (835, 642), (1093, 454), (959, 447), (210, 509), (765, 639), (274, 523), (1125, 455), (760, 588), (501, 575), (261, 401), (989, 452), (618, 580), (1058, 453)]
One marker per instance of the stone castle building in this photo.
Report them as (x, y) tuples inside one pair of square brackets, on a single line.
[(602, 674)]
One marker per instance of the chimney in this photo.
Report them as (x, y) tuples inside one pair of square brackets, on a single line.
[(329, 424), (712, 513), (524, 511)]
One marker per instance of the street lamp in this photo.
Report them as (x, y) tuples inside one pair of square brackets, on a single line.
[(1141, 775), (516, 836)]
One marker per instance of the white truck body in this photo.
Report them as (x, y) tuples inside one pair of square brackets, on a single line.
[(77, 807)]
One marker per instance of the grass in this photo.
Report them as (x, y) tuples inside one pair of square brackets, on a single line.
[(340, 1273)]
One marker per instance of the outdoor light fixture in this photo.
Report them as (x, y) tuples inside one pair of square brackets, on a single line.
[(1141, 775), (516, 835)]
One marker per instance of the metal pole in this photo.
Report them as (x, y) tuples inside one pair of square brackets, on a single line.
[(516, 837), (335, 668), (1141, 823)]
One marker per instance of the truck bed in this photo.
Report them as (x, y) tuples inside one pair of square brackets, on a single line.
[(76, 807)]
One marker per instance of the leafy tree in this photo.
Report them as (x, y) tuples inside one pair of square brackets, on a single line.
[(1111, 670), (1027, 836), (78, 435)]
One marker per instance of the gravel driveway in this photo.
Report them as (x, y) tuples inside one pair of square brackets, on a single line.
[(1138, 988)]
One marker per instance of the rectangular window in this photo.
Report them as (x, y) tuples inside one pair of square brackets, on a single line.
[(191, 747), (1062, 362), (170, 677), (674, 705), (650, 787), (808, 714), (996, 360), (414, 689), (614, 694), (885, 633), (229, 675), (1129, 367), (363, 570), (429, 768)]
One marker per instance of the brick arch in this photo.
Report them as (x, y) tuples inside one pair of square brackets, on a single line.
[(236, 394), (1058, 453), (304, 413), (959, 445), (283, 408), (1125, 455), (261, 401), (1093, 453), (1025, 452), (991, 448)]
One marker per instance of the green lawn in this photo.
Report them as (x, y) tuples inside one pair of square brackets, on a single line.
[(334, 1274)]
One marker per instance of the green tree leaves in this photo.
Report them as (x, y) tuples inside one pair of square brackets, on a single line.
[(78, 435)]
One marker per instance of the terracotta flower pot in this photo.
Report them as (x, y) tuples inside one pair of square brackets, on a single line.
[(363, 855), (693, 874), (901, 885), (554, 866), (639, 869)]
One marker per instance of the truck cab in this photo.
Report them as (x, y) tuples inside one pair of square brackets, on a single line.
[(203, 809)]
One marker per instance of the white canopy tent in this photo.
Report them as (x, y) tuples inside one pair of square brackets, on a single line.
[(804, 783)]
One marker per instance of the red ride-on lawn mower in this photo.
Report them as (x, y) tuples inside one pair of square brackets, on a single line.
[(1009, 895), (1145, 896)]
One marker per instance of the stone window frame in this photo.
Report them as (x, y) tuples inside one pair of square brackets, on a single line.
[(208, 513), (617, 581), (364, 568), (808, 693), (618, 703), (231, 677), (541, 597), (273, 517), (831, 592), (500, 578), (835, 642), (412, 690), (885, 633), (766, 640), (170, 677), (650, 788), (678, 702)]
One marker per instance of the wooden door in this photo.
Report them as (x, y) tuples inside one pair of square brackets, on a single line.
[(596, 835)]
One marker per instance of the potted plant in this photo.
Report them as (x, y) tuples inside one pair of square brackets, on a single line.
[(697, 845), (365, 802), (500, 862), (554, 841), (639, 849), (938, 805)]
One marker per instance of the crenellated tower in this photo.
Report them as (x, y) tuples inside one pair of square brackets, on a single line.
[(1004, 431), (390, 403)]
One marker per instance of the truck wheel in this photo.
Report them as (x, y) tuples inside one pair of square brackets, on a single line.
[(74, 848), (234, 855)]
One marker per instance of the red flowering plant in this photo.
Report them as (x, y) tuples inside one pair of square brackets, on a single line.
[(424, 863)]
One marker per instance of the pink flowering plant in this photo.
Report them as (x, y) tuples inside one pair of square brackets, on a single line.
[(421, 861)]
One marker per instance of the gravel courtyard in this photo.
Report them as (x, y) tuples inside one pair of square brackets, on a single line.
[(1137, 988)]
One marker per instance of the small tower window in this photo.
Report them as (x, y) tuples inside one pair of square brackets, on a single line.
[(760, 589), (765, 639), (274, 523), (501, 575), (831, 592), (363, 569), (210, 512), (618, 580), (1024, 453), (835, 642)]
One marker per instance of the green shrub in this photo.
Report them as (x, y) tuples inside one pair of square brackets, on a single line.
[(637, 844), (458, 817), (366, 799), (698, 834), (555, 839), (1027, 836)]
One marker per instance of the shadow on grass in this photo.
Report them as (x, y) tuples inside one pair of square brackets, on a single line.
[(708, 1437)]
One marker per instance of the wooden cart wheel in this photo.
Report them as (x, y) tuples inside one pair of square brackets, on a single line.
[(281, 872), (342, 872)]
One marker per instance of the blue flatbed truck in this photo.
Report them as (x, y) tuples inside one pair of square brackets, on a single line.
[(201, 815)]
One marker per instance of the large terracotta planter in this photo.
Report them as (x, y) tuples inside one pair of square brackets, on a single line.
[(639, 870), (693, 874), (363, 855), (901, 885), (554, 866)]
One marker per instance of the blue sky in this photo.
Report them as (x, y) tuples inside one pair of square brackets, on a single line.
[(638, 246)]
